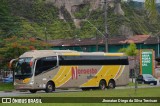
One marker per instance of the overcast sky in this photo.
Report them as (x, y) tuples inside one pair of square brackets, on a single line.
[(144, 0), (139, 0)]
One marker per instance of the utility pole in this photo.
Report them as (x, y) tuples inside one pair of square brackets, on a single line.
[(105, 23), (45, 33), (97, 41), (158, 46), (45, 29)]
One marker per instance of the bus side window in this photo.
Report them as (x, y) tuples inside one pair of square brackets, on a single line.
[(45, 64)]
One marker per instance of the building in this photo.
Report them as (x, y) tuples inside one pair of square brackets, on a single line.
[(114, 43)]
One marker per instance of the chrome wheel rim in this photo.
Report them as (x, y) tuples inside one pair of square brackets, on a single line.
[(50, 87), (110, 85), (102, 86)]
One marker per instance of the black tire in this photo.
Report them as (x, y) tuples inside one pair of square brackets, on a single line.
[(111, 84), (85, 89), (102, 85), (32, 91), (49, 87), (95, 88), (155, 83)]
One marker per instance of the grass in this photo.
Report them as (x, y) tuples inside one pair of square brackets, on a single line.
[(141, 92), (133, 84), (6, 86)]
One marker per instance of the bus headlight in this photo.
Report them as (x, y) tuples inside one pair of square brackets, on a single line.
[(32, 82), (26, 80)]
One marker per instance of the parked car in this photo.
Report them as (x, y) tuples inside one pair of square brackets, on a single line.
[(8, 79), (146, 79)]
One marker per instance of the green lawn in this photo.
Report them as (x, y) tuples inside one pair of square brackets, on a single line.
[(133, 84), (141, 92), (6, 86)]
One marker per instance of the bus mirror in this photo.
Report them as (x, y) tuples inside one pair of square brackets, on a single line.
[(31, 63), (11, 62), (10, 65)]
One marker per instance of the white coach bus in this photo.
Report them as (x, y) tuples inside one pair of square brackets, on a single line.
[(50, 69)]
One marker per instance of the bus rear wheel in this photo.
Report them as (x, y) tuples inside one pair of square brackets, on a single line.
[(111, 84), (33, 91), (102, 85), (49, 87)]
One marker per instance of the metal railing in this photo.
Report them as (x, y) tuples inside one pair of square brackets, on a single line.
[(4, 73)]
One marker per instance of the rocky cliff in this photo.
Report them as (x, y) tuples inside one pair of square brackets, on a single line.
[(73, 6)]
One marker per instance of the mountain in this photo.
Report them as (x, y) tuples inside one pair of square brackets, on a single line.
[(65, 19)]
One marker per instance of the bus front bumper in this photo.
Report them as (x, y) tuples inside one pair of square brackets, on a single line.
[(23, 86)]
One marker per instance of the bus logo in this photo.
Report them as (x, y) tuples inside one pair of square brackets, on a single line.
[(76, 72), (6, 100)]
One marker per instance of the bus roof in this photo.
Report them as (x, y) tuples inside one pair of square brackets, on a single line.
[(45, 53)]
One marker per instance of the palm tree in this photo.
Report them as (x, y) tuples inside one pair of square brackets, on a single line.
[(150, 6)]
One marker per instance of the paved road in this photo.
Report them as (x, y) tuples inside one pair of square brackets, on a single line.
[(17, 93)]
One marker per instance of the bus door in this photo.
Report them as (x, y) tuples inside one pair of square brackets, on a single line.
[(42, 70)]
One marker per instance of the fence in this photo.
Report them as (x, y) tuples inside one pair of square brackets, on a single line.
[(4, 74)]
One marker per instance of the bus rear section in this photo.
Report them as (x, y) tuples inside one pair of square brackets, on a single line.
[(48, 70), (92, 72)]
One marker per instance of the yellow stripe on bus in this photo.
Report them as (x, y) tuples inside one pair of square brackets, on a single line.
[(106, 72), (93, 81), (111, 73), (64, 77), (120, 72), (71, 54), (60, 71), (114, 54)]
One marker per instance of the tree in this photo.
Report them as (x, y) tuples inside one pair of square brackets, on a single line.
[(13, 47), (150, 6), (131, 50)]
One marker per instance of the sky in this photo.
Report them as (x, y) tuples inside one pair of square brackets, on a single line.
[(144, 0), (139, 0)]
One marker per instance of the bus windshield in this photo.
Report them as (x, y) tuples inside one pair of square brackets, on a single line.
[(23, 68)]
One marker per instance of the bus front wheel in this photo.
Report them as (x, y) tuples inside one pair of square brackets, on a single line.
[(49, 87), (33, 91)]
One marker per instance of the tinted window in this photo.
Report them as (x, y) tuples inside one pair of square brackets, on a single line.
[(45, 64), (147, 76), (23, 67)]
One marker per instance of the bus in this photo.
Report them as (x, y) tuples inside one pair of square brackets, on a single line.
[(63, 69)]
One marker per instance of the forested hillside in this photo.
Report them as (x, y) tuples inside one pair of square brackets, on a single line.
[(37, 18), (27, 24)]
